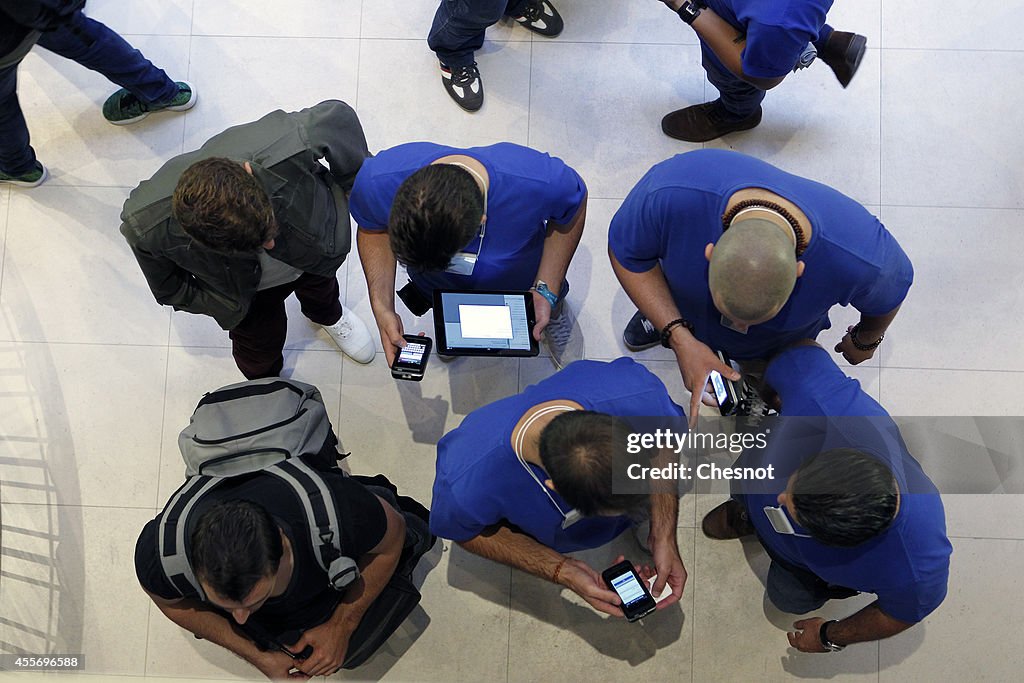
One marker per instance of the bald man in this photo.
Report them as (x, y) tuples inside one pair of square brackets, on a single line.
[(722, 252)]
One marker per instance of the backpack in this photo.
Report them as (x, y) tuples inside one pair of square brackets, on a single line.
[(274, 426)]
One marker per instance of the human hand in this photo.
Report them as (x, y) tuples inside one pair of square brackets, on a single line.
[(277, 665), (329, 641), (851, 353), (674, 5), (807, 636), (578, 577), (669, 568), (542, 310), (391, 331), (696, 361)]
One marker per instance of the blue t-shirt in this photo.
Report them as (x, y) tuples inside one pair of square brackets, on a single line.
[(480, 482), (676, 210), (907, 565), (527, 188), (777, 31)]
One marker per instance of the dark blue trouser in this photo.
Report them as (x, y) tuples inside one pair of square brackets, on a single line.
[(459, 26), (95, 47), (741, 99)]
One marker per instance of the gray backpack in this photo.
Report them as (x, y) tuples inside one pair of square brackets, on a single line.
[(270, 426)]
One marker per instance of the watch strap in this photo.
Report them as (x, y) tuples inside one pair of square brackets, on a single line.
[(823, 637), (542, 288), (688, 12)]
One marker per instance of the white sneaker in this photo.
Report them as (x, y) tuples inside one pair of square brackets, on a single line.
[(352, 337)]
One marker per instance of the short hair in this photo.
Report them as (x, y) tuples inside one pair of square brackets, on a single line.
[(435, 213), (578, 450), (752, 270), (234, 545), (844, 497), (222, 207)]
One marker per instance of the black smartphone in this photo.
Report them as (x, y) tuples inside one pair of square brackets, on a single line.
[(637, 601), (412, 360), (726, 391)]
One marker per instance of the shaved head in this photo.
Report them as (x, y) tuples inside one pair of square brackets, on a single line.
[(753, 270)]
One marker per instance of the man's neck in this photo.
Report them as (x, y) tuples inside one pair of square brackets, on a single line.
[(462, 159), (284, 569), (532, 423), (755, 193)]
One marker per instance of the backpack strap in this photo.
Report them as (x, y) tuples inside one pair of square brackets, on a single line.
[(173, 519), (322, 517)]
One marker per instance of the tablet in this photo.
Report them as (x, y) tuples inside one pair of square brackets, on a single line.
[(484, 323)]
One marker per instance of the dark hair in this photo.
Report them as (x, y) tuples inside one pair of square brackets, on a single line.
[(844, 497), (222, 207), (234, 545), (436, 212), (579, 449)]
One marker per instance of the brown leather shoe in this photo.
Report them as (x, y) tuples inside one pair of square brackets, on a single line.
[(728, 520), (703, 122), (843, 53)]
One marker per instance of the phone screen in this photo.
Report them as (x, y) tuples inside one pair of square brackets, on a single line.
[(629, 589), (719, 385), (412, 354)]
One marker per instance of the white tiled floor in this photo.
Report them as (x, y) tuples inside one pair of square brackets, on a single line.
[(96, 379)]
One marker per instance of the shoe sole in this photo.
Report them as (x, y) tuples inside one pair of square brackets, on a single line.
[(28, 183), (858, 48), (181, 107), (638, 349)]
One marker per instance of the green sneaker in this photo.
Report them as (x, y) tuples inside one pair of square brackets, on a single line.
[(33, 178), (123, 108)]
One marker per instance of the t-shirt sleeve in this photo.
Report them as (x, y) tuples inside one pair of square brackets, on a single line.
[(888, 290), (370, 202), (772, 51), (912, 604), (635, 235), (147, 563), (563, 191), (802, 374), (361, 516), (455, 515)]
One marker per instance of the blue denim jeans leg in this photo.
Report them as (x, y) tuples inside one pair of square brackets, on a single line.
[(459, 26), (739, 98), (16, 155), (96, 47)]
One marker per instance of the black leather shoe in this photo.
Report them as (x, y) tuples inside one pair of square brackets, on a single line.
[(463, 84), (704, 122), (640, 333), (843, 53), (727, 521)]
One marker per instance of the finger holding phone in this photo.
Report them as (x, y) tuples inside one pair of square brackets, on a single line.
[(582, 580), (696, 362)]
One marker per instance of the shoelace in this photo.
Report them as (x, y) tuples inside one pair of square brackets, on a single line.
[(464, 75), (533, 12)]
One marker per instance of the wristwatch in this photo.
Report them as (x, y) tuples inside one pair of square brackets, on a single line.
[(542, 288), (825, 642), (688, 12)]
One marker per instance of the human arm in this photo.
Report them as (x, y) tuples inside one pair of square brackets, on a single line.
[(330, 639), (208, 624), (727, 44), (334, 133), (870, 623), (502, 544), (559, 246), (379, 266), (650, 292), (870, 329), (662, 541)]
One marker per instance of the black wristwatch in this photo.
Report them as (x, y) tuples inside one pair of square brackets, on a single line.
[(688, 12), (823, 637)]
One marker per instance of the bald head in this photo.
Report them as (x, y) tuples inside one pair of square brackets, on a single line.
[(753, 270)]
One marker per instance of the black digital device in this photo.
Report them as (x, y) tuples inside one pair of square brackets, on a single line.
[(411, 361), (484, 323), (726, 391), (637, 601)]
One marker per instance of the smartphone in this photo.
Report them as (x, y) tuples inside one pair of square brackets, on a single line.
[(726, 391), (637, 601), (412, 360)]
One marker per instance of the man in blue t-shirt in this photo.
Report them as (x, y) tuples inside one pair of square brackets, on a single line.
[(496, 217), (849, 509), (723, 252), (528, 478), (749, 47)]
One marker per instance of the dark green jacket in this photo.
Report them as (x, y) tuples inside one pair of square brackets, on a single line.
[(309, 203)]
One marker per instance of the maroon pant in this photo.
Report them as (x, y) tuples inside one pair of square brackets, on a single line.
[(257, 341)]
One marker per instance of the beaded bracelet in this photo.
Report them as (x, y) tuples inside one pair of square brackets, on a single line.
[(863, 347), (666, 331), (558, 569)]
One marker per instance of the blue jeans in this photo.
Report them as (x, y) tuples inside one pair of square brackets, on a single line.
[(95, 47), (741, 99), (459, 25)]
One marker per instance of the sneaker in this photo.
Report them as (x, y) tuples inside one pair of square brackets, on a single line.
[(541, 17), (463, 85), (563, 337), (33, 178), (704, 122), (843, 52), (352, 337), (640, 333), (727, 521), (123, 107)]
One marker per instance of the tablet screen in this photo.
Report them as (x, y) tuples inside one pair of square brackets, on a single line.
[(482, 320)]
